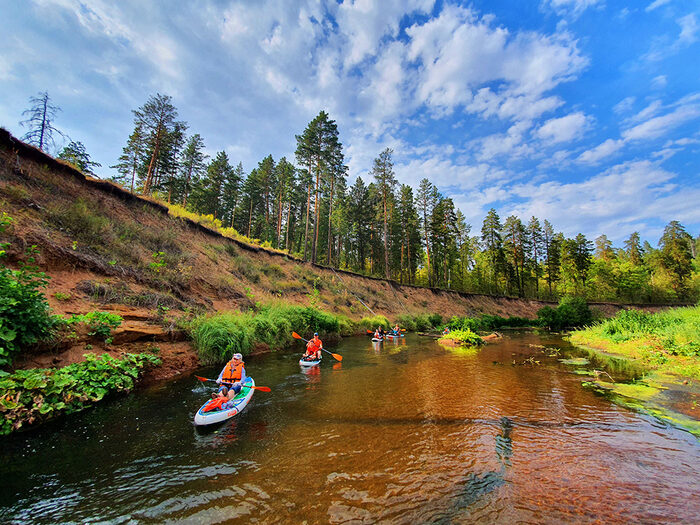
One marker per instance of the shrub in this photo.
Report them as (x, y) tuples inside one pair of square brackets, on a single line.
[(571, 312), (370, 323), (435, 320), (464, 337), (24, 311), (217, 337), (83, 221)]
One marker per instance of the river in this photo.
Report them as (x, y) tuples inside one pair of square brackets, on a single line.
[(404, 432)]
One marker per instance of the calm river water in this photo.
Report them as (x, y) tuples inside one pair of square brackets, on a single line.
[(405, 432)]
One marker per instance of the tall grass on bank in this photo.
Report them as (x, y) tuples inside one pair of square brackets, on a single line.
[(488, 322), (667, 340), (217, 337)]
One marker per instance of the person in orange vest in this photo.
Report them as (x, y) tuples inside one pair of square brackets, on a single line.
[(313, 349), (231, 377)]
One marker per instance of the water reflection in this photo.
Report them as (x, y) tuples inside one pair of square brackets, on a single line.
[(407, 432)]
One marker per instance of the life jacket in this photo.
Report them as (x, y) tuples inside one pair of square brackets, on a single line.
[(232, 373), (215, 404), (312, 347)]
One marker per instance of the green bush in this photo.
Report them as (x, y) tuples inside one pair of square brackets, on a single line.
[(217, 337), (25, 317), (435, 320), (30, 396), (407, 321), (488, 322), (571, 312), (371, 323), (98, 323), (83, 221), (464, 337)]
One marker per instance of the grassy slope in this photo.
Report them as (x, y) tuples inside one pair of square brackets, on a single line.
[(98, 246)]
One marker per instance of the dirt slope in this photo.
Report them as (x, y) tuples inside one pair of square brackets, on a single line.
[(105, 248)]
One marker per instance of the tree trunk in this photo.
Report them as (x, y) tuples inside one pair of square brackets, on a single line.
[(330, 210), (306, 232)]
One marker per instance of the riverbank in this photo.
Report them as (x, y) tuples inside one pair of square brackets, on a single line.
[(664, 348)]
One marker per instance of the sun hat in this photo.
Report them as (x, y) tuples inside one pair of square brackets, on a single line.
[(238, 356)]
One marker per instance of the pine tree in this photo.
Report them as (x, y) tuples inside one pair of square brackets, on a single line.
[(132, 156), (192, 165), (493, 246), (40, 122), (75, 153), (676, 256), (156, 119), (320, 151), (426, 199), (383, 172)]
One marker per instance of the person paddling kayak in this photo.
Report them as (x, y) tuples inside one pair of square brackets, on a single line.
[(313, 349), (231, 378)]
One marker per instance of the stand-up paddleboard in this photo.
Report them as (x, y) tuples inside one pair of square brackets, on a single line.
[(208, 417)]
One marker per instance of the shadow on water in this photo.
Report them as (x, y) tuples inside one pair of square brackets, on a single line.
[(474, 487)]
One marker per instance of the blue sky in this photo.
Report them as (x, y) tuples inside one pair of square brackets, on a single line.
[(582, 112)]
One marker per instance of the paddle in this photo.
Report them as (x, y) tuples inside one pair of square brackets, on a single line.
[(261, 388), (337, 357)]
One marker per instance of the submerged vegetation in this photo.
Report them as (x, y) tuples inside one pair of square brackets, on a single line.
[(667, 341)]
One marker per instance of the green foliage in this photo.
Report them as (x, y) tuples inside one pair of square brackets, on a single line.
[(30, 396), (60, 296), (571, 312), (158, 262), (24, 311), (464, 337), (98, 323), (488, 322), (218, 336), (83, 221), (435, 320), (371, 323), (677, 331)]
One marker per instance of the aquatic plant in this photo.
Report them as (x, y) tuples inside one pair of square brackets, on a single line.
[(463, 337), (29, 396)]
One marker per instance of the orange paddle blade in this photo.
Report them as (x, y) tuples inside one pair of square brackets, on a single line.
[(338, 357), (296, 336), (203, 378), (262, 388)]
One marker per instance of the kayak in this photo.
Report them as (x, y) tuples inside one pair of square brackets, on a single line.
[(305, 362), (394, 336), (377, 339), (218, 415)]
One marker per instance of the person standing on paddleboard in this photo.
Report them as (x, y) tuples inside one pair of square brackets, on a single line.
[(231, 377), (313, 349)]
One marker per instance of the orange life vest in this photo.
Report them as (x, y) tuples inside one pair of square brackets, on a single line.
[(233, 372), (312, 347)]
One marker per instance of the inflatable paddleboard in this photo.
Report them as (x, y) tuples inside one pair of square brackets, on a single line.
[(217, 415)]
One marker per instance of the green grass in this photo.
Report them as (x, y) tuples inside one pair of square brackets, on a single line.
[(217, 337), (668, 340), (488, 322)]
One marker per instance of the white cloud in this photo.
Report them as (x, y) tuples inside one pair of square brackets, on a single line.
[(655, 4), (563, 129), (459, 53), (689, 30), (624, 105), (659, 126), (600, 152), (572, 7), (659, 82), (611, 202)]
